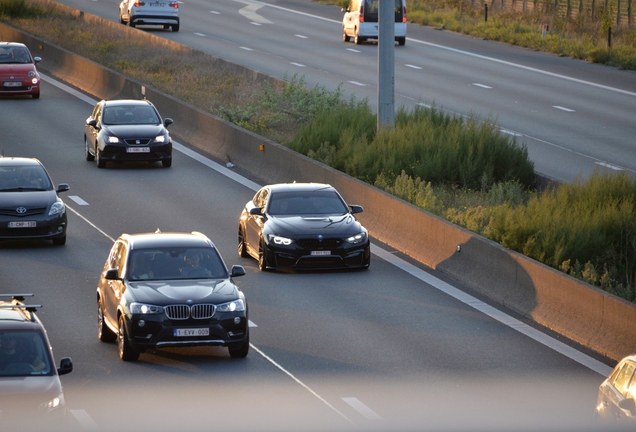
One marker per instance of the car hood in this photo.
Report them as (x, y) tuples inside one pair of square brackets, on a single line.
[(27, 198), (337, 226), (16, 70), (135, 131), (163, 293), (29, 385)]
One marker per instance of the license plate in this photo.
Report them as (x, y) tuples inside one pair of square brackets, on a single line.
[(192, 332), (22, 224), (12, 84), (320, 252), (138, 149)]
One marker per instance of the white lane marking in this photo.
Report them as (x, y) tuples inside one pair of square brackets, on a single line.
[(255, 23), (200, 34), (563, 108), (84, 419), (506, 131), (458, 51), (353, 50), (357, 83), (412, 66), (301, 36), (297, 64), (362, 408), (247, 49), (285, 371), (496, 314), (249, 12), (78, 200), (424, 105), (215, 12), (251, 324), (610, 166), (482, 85)]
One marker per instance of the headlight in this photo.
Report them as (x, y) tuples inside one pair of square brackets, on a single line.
[(57, 208), (112, 139), (145, 309), (358, 238), (278, 240), (234, 306), (161, 139), (34, 81), (52, 404)]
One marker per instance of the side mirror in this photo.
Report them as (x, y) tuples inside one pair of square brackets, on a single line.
[(258, 211), (62, 187), (628, 404), (37, 59), (91, 122), (167, 122), (237, 270), (111, 274), (66, 366), (356, 209)]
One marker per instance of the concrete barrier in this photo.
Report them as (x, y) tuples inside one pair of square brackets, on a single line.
[(581, 312)]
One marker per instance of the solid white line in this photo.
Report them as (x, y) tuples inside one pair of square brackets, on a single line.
[(78, 200), (610, 166), (362, 408), (298, 64), (84, 419), (285, 371)]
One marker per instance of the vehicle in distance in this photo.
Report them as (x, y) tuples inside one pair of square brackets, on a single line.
[(302, 226), (127, 130), (360, 21), (170, 290), (150, 12), (31, 394), (30, 207), (18, 74), (616, 405)]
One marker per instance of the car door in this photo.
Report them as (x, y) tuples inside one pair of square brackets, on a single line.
[(112, 290), (93, 131), (254, 223)]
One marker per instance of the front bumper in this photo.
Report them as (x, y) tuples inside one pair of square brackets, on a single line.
[(46, 227), (119, 153), (340, 257)]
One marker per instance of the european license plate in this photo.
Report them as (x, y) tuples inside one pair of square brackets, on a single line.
[(22, 224), (192, 332), (12, 84), (320, 252), (138, 149)]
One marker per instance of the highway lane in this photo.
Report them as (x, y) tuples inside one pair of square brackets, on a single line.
[(383, 349), (573, 116)]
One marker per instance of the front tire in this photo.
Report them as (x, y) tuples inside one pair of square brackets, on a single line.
[(101, 163), (345, 36), (126, 353), (59, 241), (242, 248), (104, 333), (240, 351), (262, 257), (87, 154), (36, 95), (166, 163)]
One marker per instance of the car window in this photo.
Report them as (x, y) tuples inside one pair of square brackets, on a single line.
[(307, 203), (24, 177), (119, 115), (260, 199), (175, 263), (24, 353), (116, 259), (623, 377)]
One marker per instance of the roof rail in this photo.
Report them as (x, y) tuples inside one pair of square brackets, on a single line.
[(18, 297)]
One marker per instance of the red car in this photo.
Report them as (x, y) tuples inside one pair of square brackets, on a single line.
[(18, 75)]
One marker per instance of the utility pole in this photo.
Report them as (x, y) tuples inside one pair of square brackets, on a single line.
[(386, 64)]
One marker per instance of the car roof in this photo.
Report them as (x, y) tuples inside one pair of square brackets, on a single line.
[(167, 239), (19, 161), (18, 316), (126, 102), (298, 187), (12, 44)]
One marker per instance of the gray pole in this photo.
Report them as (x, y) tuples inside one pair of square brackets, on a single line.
[(386, 64)]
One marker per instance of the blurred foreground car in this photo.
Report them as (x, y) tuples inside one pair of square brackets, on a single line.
[(31, 395), (29, 206), (127, 130), (18, 74), (169, 290), (616, 405), (302, 225), (150, 12)]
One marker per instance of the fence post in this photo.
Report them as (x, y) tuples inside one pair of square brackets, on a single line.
[(486, 12)]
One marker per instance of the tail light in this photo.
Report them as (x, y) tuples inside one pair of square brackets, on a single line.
[(404, 15), (139, 3), (361, 19), (174, 5)]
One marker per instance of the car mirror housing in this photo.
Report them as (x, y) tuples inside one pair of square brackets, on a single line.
[(111, 274), (66, 366), (356, 209), (256, 211), (237, 270), (167, 122), (62, 187), (91, 122)]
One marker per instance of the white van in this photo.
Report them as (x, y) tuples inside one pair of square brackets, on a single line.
[(360, 21)]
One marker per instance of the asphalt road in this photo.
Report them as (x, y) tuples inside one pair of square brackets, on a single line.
[(396, 347), (574, 117)]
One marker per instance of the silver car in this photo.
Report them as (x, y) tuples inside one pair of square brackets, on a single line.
[(146, 12)]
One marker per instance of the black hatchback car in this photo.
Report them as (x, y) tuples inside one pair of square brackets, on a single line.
[(302, 226), (170, 290), (30, 207), (127, 131)]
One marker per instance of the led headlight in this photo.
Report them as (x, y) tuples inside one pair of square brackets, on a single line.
[(161, 139), (57, 208), (233, 306), (145, 309), (278, 240), (358, 238), (112, 139), (53, 403)]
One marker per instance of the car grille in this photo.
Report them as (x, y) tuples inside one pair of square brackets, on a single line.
[(184, 312), (143, 141), (316, 244), (29, 212), (13, 89)]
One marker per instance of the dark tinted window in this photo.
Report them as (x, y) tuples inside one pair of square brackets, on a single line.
[(175, 263), (24, 353), (321, 202), (119, 115), (24, 177)]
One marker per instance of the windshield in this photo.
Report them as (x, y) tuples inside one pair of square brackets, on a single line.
[(321, 202), (175, 263), (18, 178), (120, 115), (14, 55), (24, 353)]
